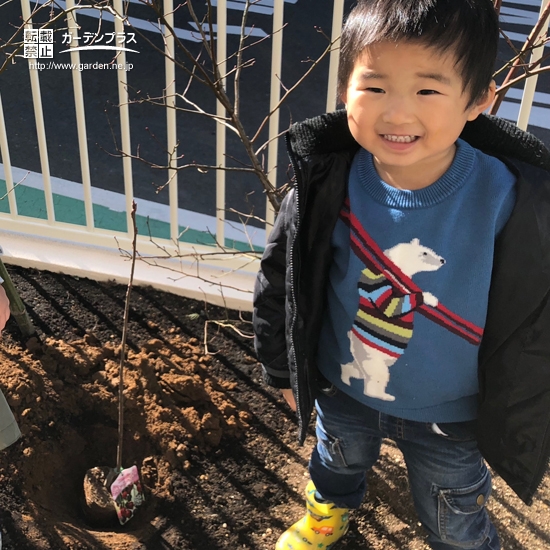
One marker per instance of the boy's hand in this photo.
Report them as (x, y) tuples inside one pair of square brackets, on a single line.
[(4, 308), (289, 398)]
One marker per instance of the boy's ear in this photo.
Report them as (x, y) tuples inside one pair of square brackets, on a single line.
[(484, 102)]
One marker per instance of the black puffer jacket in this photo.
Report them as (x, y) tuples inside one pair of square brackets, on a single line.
[(514, 357)]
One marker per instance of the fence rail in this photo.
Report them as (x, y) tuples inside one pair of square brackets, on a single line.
[(52, 239)]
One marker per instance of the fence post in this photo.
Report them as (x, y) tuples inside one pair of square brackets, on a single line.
[(531, 83)]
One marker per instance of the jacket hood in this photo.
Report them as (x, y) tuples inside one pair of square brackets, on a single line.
[(329, 133)]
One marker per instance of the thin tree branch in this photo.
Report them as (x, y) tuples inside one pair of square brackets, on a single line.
[(123, 344), (505, 87), (290, 90), (238, 69)]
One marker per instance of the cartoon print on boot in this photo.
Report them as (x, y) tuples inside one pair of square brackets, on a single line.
[(383, 325)]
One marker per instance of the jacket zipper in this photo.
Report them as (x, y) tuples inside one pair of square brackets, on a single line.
[(301, 427)]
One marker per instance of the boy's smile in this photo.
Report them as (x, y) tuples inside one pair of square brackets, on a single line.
[(406, 105)]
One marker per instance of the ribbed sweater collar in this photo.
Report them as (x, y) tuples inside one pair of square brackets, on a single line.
[(452, 180)]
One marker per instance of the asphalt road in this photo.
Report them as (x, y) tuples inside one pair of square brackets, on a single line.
[(302, 41)]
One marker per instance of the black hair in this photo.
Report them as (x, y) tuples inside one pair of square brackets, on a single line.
[(467, 28)]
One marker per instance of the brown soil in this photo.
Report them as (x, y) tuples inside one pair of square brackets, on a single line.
[(216, 449)]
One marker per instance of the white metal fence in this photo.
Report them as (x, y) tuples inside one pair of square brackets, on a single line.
[(88, 250)]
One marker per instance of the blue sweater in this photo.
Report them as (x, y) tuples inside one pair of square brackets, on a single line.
[(409, 286)]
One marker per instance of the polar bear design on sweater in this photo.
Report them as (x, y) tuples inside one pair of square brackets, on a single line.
[(383, 325)]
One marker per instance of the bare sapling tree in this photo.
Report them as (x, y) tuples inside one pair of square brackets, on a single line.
[(221, 80), (97, 502)]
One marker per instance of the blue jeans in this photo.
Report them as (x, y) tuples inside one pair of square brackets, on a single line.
[(449, 480)]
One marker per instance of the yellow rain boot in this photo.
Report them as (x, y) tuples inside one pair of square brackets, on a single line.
[(321, 527)]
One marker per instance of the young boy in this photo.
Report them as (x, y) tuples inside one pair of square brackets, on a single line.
[(405, 287)]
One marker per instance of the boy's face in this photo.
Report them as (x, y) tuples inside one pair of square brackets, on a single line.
[(406, 106)]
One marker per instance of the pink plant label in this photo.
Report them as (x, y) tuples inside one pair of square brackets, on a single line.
[(127, 493)]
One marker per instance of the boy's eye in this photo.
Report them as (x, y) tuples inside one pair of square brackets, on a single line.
[(428, 92), (375, 90)]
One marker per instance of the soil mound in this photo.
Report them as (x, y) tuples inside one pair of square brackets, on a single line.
[(173, 404)]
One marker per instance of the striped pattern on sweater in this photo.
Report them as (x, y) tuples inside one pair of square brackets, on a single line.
[(384, 319)]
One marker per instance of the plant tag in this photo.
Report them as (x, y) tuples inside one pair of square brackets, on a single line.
[(127, 493)]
